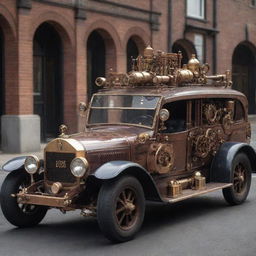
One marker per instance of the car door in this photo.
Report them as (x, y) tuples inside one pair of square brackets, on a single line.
[(174, 132)]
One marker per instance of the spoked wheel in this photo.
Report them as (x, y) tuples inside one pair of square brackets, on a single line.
[(127, 208), (120, 208), (20, 215), (240, 178), (241, 171)]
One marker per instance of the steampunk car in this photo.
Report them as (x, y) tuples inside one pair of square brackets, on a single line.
[(161, 132)]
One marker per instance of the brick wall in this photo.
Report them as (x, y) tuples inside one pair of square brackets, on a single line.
[(236, 22)]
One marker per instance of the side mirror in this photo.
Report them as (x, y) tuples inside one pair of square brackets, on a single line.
[(164, 115), (82, 108)]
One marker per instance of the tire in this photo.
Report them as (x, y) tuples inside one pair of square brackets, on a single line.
[(20, 215), (126, 196), (241, 178)]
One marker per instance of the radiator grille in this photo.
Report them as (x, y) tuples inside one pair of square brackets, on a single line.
[(62, 174)]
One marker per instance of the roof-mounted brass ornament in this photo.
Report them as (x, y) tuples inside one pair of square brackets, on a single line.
[(164, 69), (63, 130)]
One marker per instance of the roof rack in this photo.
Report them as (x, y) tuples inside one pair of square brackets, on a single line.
[(164, 69)]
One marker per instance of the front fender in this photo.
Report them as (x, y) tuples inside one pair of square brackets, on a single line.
[(113, 169), (14, 164), (221, 168), (17, 163)]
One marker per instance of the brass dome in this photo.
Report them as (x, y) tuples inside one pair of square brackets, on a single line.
[(193, 63), (149, 51)]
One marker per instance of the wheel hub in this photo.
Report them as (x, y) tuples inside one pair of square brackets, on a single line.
[(241, 178), (129, 207)]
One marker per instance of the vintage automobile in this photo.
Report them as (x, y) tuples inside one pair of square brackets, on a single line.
[(161, 132)]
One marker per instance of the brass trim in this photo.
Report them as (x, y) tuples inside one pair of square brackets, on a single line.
[(189, 193), (57, 145), (52, 201), (69, 145), (56, 188)]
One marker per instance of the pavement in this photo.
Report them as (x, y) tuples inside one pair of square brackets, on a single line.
[(201, 226), (252, 119)]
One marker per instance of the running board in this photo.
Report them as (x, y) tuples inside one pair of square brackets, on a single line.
[(188, 193)]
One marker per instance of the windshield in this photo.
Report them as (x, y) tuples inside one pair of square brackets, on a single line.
[(126, 109)]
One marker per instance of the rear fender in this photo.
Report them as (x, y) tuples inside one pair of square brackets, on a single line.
[(221, 168)]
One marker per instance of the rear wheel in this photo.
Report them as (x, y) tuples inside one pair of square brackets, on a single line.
[(120, 208), (241, 174), (20, 215)]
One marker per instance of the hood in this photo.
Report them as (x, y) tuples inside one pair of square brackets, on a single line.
[(108, 137), (108, 143)]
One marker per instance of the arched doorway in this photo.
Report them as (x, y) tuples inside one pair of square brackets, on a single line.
[(132, 51), (96, 61), (135, 46), (1, 73), (244, 72), (186, 48), (47, 70)]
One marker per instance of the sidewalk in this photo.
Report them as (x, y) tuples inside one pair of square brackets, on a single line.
[(5, 157), (252, 119)]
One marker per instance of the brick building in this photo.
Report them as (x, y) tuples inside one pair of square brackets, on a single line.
[(51, 51)]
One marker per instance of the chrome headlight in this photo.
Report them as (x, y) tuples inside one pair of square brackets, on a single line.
[(79, 167), (32, 164)]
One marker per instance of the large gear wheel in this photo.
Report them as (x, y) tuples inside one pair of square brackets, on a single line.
[(164, 158), (202, 146)]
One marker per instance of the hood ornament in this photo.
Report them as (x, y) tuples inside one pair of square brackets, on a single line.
[(63, 130)]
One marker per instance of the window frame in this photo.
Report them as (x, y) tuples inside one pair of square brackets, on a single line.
[(202, 9), (202, 60)]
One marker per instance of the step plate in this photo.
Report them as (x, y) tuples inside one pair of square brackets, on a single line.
[(188, 193)]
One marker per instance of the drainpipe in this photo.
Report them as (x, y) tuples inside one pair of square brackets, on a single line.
[(169, 26), (151, 25), (214, 46)]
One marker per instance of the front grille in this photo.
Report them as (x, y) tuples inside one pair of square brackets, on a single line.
[(58, 167)]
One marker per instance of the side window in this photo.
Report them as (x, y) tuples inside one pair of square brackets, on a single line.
[(178, 114), (239, 111), (212, 110)]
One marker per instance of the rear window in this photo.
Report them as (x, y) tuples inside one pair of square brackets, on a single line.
[(239, 111)]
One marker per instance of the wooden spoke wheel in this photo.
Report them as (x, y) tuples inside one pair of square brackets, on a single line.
[(239, 178), (120, 208), (127, 208), (241, 175), (20, 215)]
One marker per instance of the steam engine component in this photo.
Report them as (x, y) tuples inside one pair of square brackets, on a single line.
[(164, 69)]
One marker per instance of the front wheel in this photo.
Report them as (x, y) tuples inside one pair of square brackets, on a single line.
[(241, 175), (121, 208), (20, 215)]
